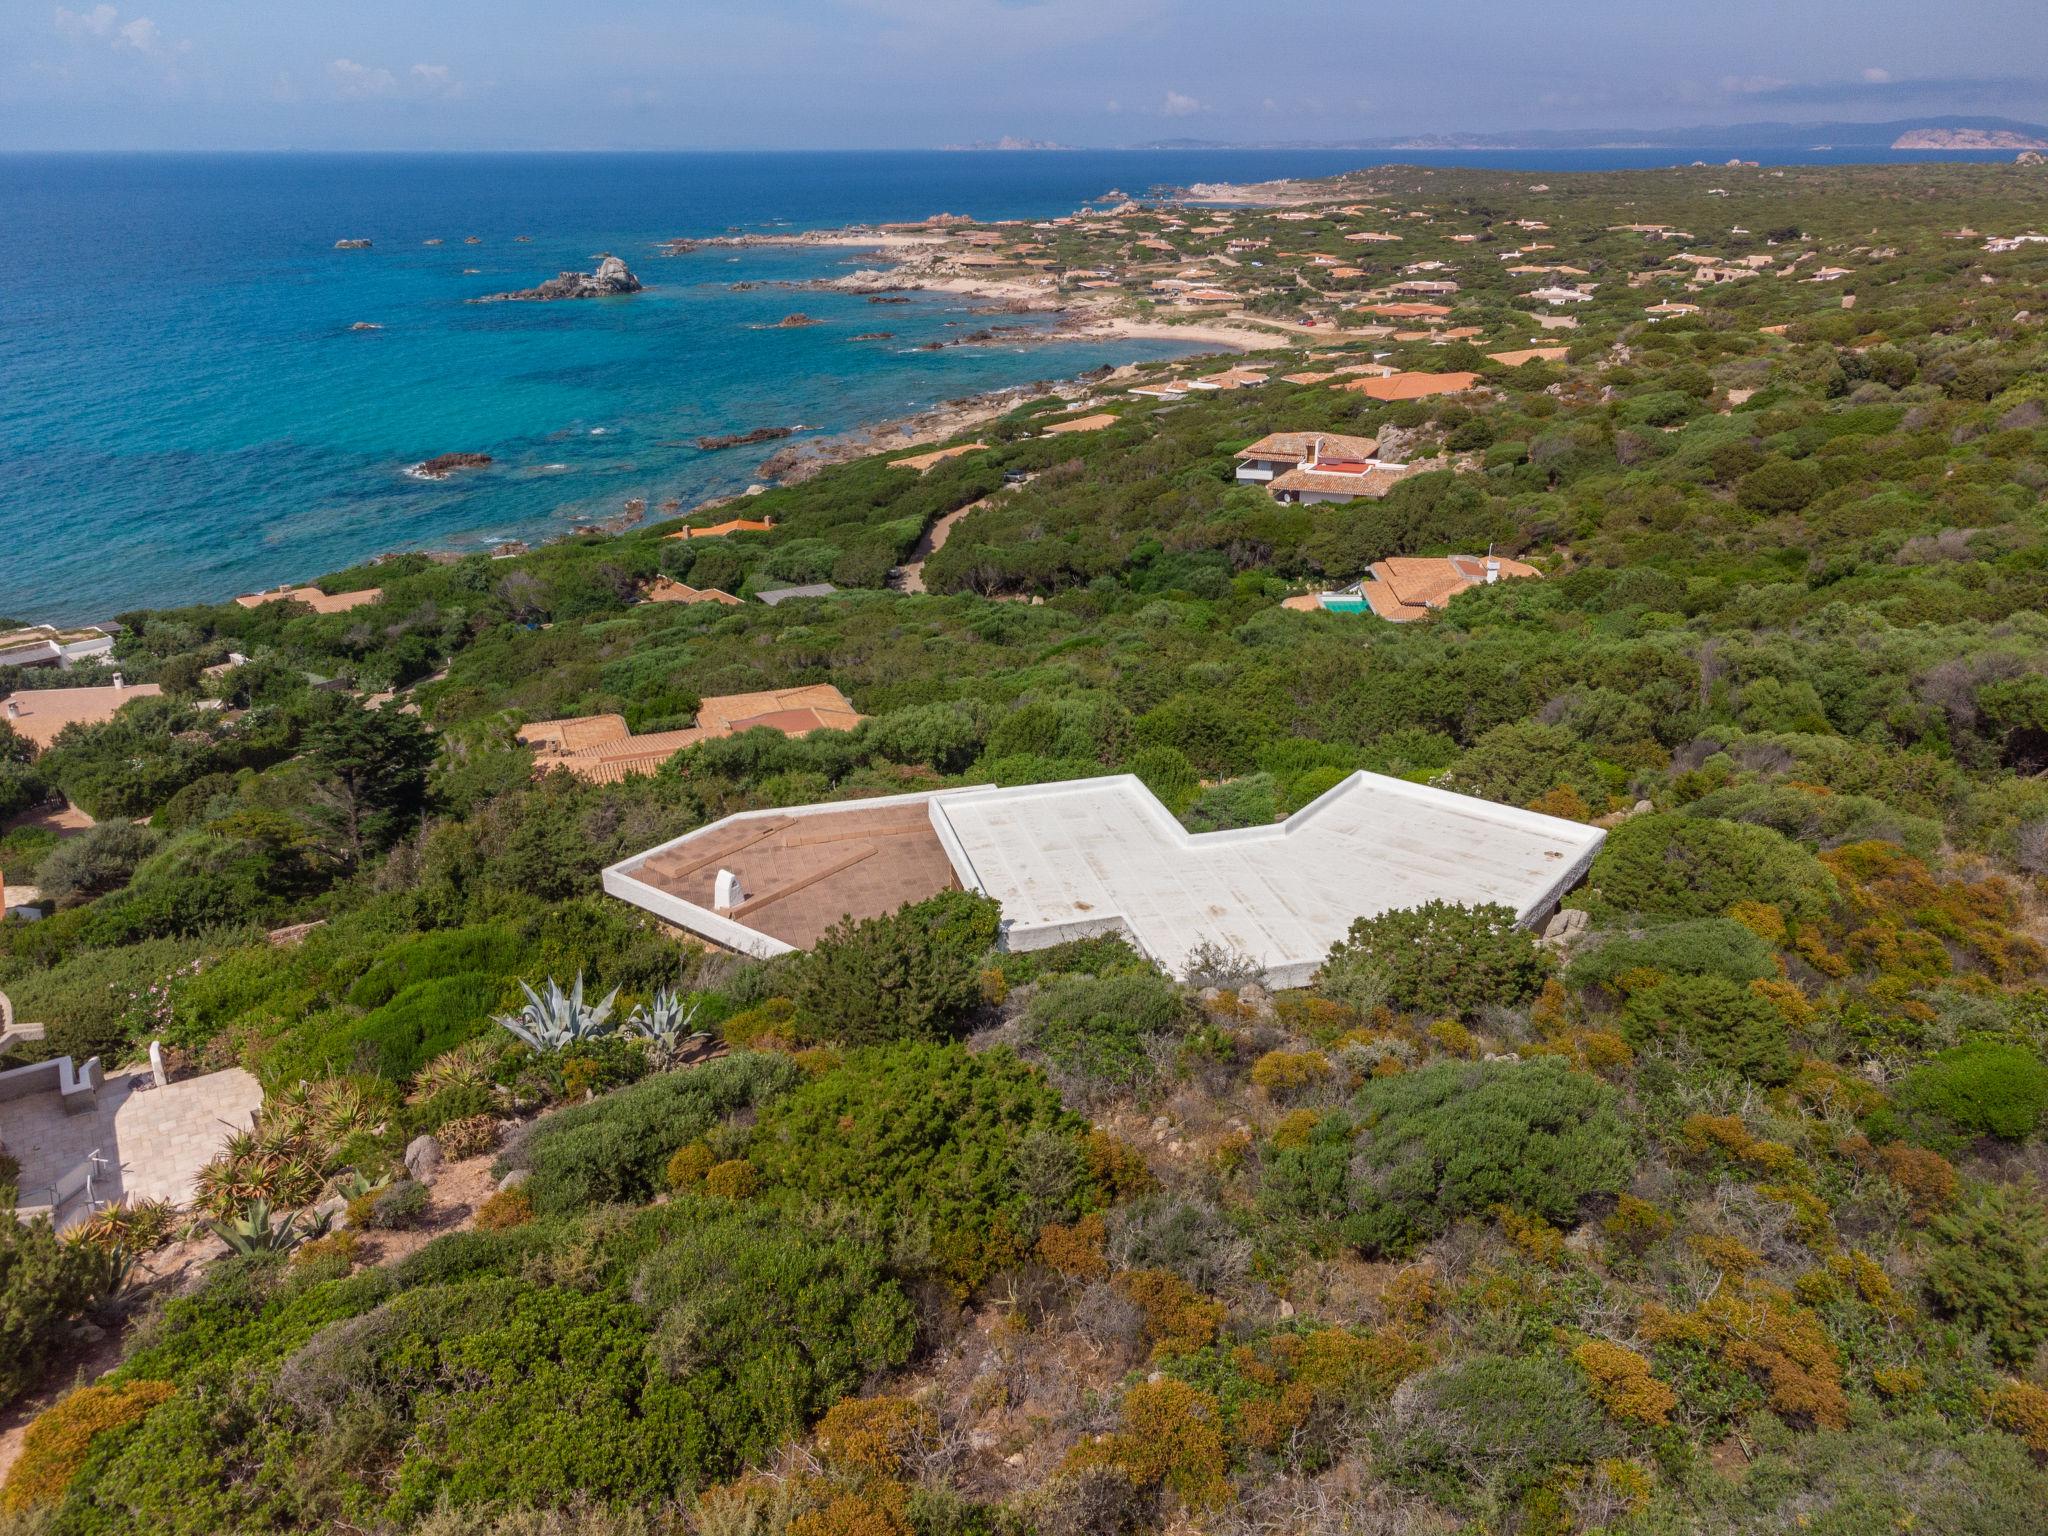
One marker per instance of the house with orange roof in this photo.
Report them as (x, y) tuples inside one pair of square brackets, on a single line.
[(1412, 386), (37, 715), (1314, 468), (1530, 355), (603, 750), (922, 462), (1408, 311), (720, 530), (1093, 423), (313, 598), (1410, 587), (663, 589)]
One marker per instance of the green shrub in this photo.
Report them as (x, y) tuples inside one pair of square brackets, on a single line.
[(1708, 946), (1101, 1030), (1725, 1021), (1693, 866), (1497, 1428), (616, 1148), (396, 1207), (1523, 761), (1980, 1088), (1989, 1269), (975, 1149), (1458, 1138), (1246, 802), (914, 974), (44, 1283), (493, 951), (1437, 958)]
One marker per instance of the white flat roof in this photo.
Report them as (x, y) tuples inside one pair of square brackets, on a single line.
[(1094, 856)]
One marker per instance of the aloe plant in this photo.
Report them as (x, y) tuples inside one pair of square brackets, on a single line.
[(664, 1023), (553, 1018), (254, 1231)]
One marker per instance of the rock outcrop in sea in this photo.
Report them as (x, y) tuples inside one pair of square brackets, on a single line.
[(351, 245), (609, 281), (443, 465)]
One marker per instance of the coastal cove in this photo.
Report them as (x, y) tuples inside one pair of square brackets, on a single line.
[(201, 394)]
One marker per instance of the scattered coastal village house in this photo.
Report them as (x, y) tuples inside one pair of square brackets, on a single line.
[(38, 714), (1560, 295), (1313, 468), (664, 589), (720, 530), (45, 645), (1530, 355), (1412, 385), (313, 598), (603, 749), (1101, 856), (1410, 587)]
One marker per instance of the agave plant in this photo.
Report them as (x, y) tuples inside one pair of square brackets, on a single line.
[(664, 1024), (254, 1231), (553, 1018)]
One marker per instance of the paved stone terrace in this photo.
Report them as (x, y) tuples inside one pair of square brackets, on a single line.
[(155, 1139)]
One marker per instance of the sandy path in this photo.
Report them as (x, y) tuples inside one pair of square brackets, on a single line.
[(910, 578)]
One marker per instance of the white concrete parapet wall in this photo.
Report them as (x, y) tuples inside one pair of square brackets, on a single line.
[(1103, 855)]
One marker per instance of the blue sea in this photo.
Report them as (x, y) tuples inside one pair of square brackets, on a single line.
[(186, 413)]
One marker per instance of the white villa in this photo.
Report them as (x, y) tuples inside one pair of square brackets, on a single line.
[(1102, 856)]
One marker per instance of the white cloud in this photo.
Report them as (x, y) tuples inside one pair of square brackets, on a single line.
[(1178, 105), (81, 25), (1112, 105), (140, 34), (434, 80), (355, 82), (1878, 76)]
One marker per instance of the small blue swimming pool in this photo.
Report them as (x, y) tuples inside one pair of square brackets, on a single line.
[(1345, 604)]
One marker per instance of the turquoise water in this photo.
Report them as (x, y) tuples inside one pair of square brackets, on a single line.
[(185, 412), (1345, 604)]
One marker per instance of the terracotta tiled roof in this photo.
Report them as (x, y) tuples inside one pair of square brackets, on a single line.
[(924, 461), (720, 530), (313, 598), (1411, 586), (1531, 355), (1093, 423), (575, 733), (601, 749), (38, 714), (664, 590), (1297, 446), (1413, 386), (1373, 483)]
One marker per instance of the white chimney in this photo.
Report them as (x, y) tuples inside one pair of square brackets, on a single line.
[(726, 891), (13, 710), (1492, 570), (117, 681)]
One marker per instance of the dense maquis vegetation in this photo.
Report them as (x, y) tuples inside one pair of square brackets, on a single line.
[(1726, 1216)]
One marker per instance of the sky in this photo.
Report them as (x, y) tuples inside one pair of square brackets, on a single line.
[(857, 74)]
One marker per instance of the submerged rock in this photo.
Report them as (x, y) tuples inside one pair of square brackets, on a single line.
[(610, 280)]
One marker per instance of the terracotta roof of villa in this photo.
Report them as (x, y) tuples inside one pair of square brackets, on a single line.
[(665, 590), (1413, 386), (1373, 483), (1093, 423), (601, 748), (1412, 586), (43, 712), (924, 461), (1298, 445), (720, 530), (1531, 355), (313, 598)]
